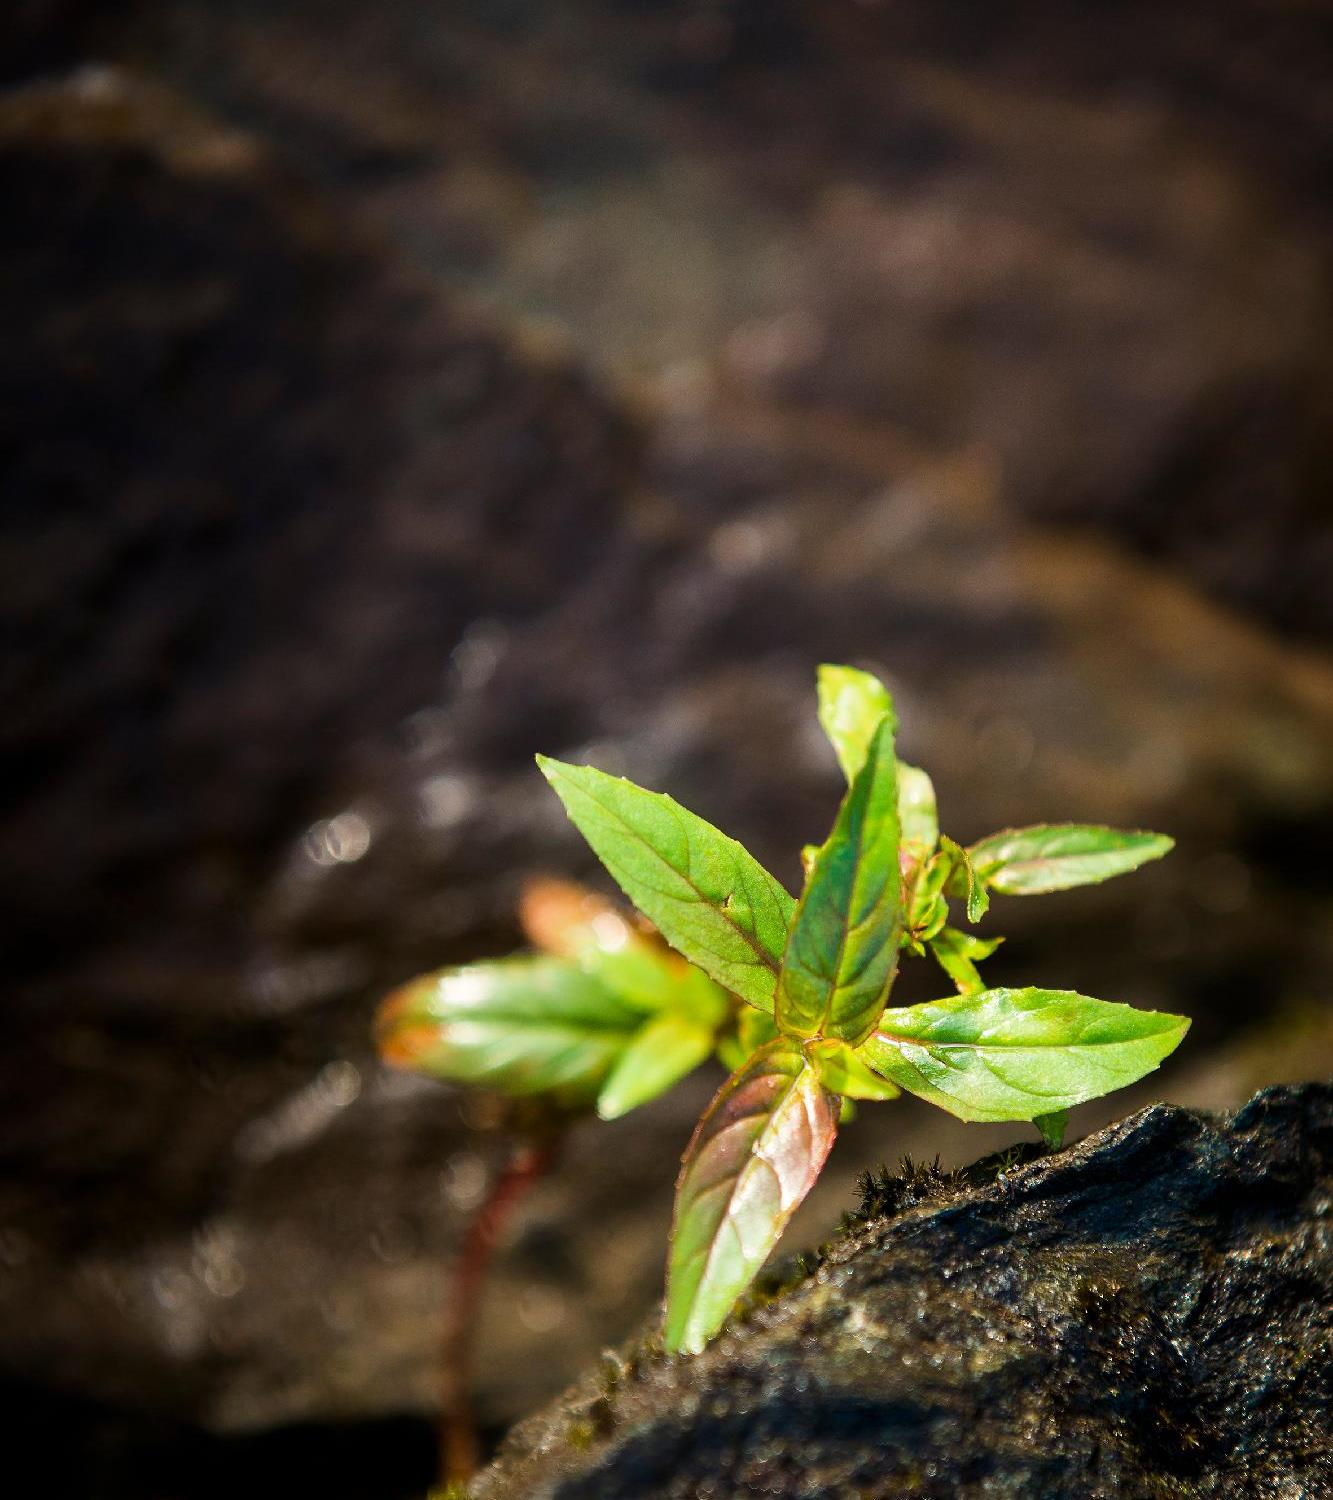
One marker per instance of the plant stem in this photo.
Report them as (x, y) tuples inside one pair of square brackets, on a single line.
[(459, 1449)]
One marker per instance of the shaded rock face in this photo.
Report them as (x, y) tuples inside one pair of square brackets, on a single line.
[(1093, 243), (205, 376), (1146, 1314)]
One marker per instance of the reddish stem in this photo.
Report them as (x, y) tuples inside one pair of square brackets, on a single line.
[(459, 1449)]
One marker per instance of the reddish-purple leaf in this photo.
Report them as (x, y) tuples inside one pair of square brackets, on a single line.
[(754, 1156)]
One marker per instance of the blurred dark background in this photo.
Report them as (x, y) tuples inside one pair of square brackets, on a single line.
[(394, 389)]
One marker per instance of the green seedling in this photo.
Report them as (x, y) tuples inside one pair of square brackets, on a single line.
[(792, 995)]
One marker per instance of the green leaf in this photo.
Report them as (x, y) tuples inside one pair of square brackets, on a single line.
[(517, 1025), (754, 1156), (957, 953), (1016, 1054), (851, 705), (927, 909), (1053, 1127), (965, 880), (842, 1071), (916, 812), (1057, 856), (843, 948), (705, 894), (665, 1050)]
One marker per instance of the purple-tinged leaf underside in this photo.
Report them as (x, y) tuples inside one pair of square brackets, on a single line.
[(754, 1156)]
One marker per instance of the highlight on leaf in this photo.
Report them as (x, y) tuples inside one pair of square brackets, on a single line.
[(1016, 1054), (754, 1156), (1059, 856), (520, 1026)]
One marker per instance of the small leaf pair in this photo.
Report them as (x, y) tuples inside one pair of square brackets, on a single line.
[(819, 970)]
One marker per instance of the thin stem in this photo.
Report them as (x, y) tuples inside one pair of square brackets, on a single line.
[(459, 1448)]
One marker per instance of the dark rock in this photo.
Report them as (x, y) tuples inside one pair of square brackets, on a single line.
[(1146, 1314), (206, 377), (1092, 245)]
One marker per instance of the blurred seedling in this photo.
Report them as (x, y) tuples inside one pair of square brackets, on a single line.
[(791, 994), (600, 1016)]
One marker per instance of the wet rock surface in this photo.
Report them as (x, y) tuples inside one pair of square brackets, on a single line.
[(385, 401), (1145, 1313)]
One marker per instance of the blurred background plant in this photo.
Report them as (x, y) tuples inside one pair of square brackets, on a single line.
[(603, 1017), (392, 391)]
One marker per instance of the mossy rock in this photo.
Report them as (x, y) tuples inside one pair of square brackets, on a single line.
[(1144, 1314)]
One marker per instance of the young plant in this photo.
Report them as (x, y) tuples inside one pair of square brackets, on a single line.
[(792, 994)]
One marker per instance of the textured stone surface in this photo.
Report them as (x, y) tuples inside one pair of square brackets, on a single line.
[(1146, 1313)]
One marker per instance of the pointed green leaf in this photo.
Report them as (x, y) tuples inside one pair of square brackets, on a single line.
[(754, 1156), (844, 1072), (916, 812), (1016, 1054), (1053, 1127), (705, 894), (664, 1051), (1057, 856), (843, 949), (851, 705), (957, 953), (965, 881), (517, 1025)]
